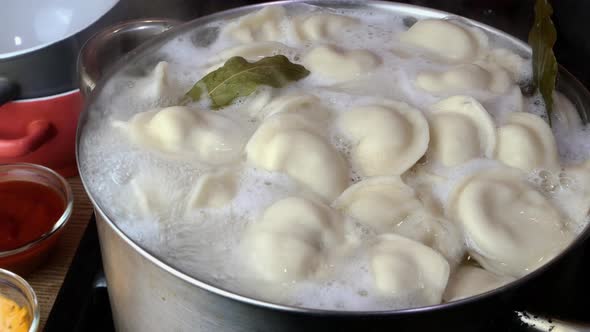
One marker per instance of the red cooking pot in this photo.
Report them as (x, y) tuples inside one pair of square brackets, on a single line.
[(41, 131), (39, 99)]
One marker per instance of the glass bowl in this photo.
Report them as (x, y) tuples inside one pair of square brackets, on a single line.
[(28, 256), (15, 288)]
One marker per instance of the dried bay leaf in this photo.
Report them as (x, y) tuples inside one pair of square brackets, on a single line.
[(542, 37), (240, 78)]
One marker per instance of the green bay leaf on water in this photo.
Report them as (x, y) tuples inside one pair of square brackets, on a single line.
[(542, 37), (240, 78)]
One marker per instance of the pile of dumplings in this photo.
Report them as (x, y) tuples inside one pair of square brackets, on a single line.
[(441, 174)]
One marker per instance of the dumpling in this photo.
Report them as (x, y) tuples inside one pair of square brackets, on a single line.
[(510, 61), (255, 103), (156, 86), (386, 204), (446, 41), (251, 52), (510, 102), (379, 202), (292, 239), (423, 180), (213, 190), (262, 25), (460, 130), (465, 78), (153, 195), (338, 65), (527, 142), (322, 26), (255, 51), (403, 267), (148, 196), (187, 133), (435, 232), (470, 280), (308, 105), (460, 78), (388, 138), (291, 143), (511, 228)]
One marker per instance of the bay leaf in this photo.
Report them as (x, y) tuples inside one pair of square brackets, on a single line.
[(542, 38), (240, 78)]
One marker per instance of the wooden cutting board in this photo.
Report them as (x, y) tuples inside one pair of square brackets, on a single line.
[(47, 280)]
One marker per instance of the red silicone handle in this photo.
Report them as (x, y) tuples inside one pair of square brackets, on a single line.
[(37, 133)]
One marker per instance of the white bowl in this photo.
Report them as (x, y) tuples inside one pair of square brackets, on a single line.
[(28, 25)]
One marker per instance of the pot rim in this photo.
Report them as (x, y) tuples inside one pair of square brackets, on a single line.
[(45, 98), (221, 291), (88, 61)]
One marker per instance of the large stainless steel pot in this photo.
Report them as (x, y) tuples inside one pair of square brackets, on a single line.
[(148, 295)]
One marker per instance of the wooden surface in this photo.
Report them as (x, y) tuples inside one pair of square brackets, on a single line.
[(48, 279)]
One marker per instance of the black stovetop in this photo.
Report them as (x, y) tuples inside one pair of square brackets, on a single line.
[(82, 303)]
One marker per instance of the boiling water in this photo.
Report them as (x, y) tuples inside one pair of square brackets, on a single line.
[(146, 193)]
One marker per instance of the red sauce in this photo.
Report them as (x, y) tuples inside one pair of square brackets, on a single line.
[(27, 211)]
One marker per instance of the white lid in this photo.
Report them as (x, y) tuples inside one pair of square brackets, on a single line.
[(28, 25)]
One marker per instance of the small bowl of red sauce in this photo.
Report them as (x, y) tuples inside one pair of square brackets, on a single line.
[(35, 205)]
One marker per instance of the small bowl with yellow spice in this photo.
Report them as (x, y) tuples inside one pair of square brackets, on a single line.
[(19, 310)]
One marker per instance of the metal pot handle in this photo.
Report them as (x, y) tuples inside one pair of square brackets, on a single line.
[(102, 50), (8, 90)]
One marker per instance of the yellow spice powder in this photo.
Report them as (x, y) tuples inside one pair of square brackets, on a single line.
[(13, 318)]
